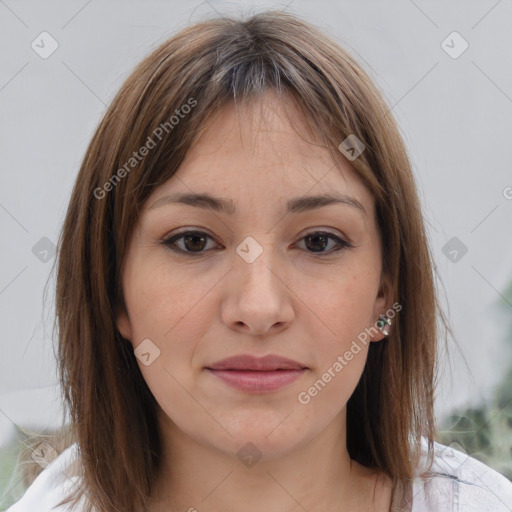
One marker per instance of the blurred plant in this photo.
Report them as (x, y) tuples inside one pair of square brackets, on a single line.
[(485, 432)]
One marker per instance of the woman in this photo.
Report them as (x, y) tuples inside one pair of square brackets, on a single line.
[(245, 296)]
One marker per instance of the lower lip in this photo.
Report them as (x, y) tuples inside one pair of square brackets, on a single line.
[(257, 381)]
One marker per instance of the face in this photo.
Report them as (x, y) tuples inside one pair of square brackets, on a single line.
[(202, 284)]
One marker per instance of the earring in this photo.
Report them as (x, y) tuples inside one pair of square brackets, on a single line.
[(383, 324)]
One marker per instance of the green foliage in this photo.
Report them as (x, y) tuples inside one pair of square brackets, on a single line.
[(485, 433)]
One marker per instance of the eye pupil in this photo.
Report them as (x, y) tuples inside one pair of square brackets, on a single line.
[(194, 246), (323, 238)]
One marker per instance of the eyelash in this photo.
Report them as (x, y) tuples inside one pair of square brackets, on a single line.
[(170, 242)]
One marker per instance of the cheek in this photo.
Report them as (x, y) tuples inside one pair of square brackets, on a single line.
[(170, 308), (341, 353), (345, 305), (330, 389), (161, 298)]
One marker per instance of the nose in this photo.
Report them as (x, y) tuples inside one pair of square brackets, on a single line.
[(258, 298)]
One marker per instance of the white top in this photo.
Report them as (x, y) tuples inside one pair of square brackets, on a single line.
[(459, 484)]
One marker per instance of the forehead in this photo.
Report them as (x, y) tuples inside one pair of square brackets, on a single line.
[(258, 151)]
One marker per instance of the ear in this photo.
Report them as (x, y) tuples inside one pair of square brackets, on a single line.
[(383, 304), (123, 323)]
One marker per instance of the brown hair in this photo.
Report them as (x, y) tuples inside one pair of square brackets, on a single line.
[(205, 66)]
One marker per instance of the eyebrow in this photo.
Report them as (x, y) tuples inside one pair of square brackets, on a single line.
[(227, 206)]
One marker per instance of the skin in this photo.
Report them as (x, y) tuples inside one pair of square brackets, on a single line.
[(290, 301)]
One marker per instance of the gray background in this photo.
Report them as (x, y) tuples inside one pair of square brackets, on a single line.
[(454, 114)]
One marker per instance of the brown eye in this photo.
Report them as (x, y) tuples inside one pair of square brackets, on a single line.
[(318, 241), (193, 242)]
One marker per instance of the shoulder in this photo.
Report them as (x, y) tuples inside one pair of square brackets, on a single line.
[(51, 486), (457, 482)]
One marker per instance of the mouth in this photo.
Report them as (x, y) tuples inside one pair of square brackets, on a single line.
[(257, 375)]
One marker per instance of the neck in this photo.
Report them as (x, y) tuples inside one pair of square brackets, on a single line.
[(319, 475)]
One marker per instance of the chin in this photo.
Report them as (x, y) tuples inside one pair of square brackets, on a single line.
[(269, 435)]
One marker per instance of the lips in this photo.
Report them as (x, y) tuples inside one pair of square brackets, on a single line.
[(257, 375), (263, 364)]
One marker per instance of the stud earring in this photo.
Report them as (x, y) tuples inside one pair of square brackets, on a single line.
[(383, 324)]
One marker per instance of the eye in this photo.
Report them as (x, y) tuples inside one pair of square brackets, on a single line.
[(195, 242), (319, 240)]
